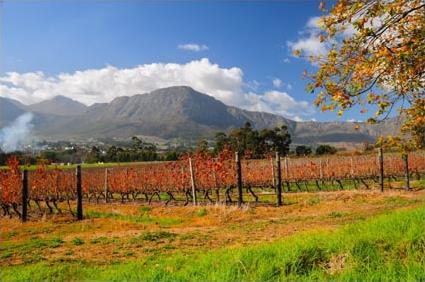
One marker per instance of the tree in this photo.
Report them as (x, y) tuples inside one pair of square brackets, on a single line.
[(202, 146), (376, 60), (221, 140), (138, 144), (111, 154), (171, 156), (325, 150), (245, 140), (94, 155), (277, 139), (253, 144), (302, 150)]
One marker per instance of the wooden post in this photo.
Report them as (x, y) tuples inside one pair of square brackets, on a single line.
[(381, 169), (352, 167), (24, 195), (273, 173), (321, 169), (79, 193), (278, 180), (239, 178), (405, 157), (424, 161), (192, 179), (106, 185), (287, 168)]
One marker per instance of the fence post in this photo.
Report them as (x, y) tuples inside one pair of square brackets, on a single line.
[(239, 178), (273, 173), (287, 168), (192, 179), (106, 185), (321, 169), (381, 168), (405, 157), (24, 195), (79, 193), (278, 180)]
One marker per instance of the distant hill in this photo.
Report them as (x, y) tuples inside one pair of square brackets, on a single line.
[(177, 112), (10, 110), (59, 105)]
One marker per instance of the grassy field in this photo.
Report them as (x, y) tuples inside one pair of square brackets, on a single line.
[(341, 235), (86, 165)]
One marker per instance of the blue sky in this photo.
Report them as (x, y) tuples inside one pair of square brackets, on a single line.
[(243, 48)]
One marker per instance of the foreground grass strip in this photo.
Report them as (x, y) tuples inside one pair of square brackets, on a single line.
[(388, 247)]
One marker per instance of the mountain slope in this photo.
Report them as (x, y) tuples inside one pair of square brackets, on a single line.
[(10, 110), (178, 112)]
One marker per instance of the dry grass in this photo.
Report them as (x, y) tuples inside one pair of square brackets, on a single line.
[(116, 232)]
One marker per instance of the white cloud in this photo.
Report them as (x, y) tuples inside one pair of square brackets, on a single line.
[(309, 41), (193, 47), (277, 83), (289, 86), (313, 23), (353, 120), (105, 84), (310, 46), (253, 85), (286, 61)]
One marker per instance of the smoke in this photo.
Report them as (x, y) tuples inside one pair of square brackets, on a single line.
[(13, 137)]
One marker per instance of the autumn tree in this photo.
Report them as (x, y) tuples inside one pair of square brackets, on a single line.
[(375, 60)]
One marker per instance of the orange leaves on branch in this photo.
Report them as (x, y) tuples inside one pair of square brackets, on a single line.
[(377, 56)]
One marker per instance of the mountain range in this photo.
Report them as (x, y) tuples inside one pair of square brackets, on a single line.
[(174, 112)]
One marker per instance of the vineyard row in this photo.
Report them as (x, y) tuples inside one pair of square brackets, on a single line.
[(196, 176)]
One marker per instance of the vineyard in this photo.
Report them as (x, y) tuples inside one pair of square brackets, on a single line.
[(198, 178)]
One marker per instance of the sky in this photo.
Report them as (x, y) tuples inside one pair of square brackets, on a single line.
[(239, 52)]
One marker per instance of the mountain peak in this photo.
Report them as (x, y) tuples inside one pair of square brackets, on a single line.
[(175, 88), (59, 105), (62, 98), (176, 112)]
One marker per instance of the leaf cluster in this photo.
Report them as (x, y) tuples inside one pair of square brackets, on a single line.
[(376, 60)]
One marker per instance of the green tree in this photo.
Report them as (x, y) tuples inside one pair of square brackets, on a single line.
[(325, 150), (202, 146), (277, 139), (220, 139), (248, 141), (138, 144), (302, 150)]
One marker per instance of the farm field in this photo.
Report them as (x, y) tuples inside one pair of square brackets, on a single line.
[(353, 234), (85, 165)]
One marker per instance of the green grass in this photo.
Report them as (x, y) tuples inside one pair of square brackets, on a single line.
[(390, 247), (30, 250), (202, 212), (154, 236), (144, 217), (77, 241), (95, 165)]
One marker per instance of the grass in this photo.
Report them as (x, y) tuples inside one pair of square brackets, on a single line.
[(86, 165), (155, 236), (77, 241), (143, 217), (389, 247)]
